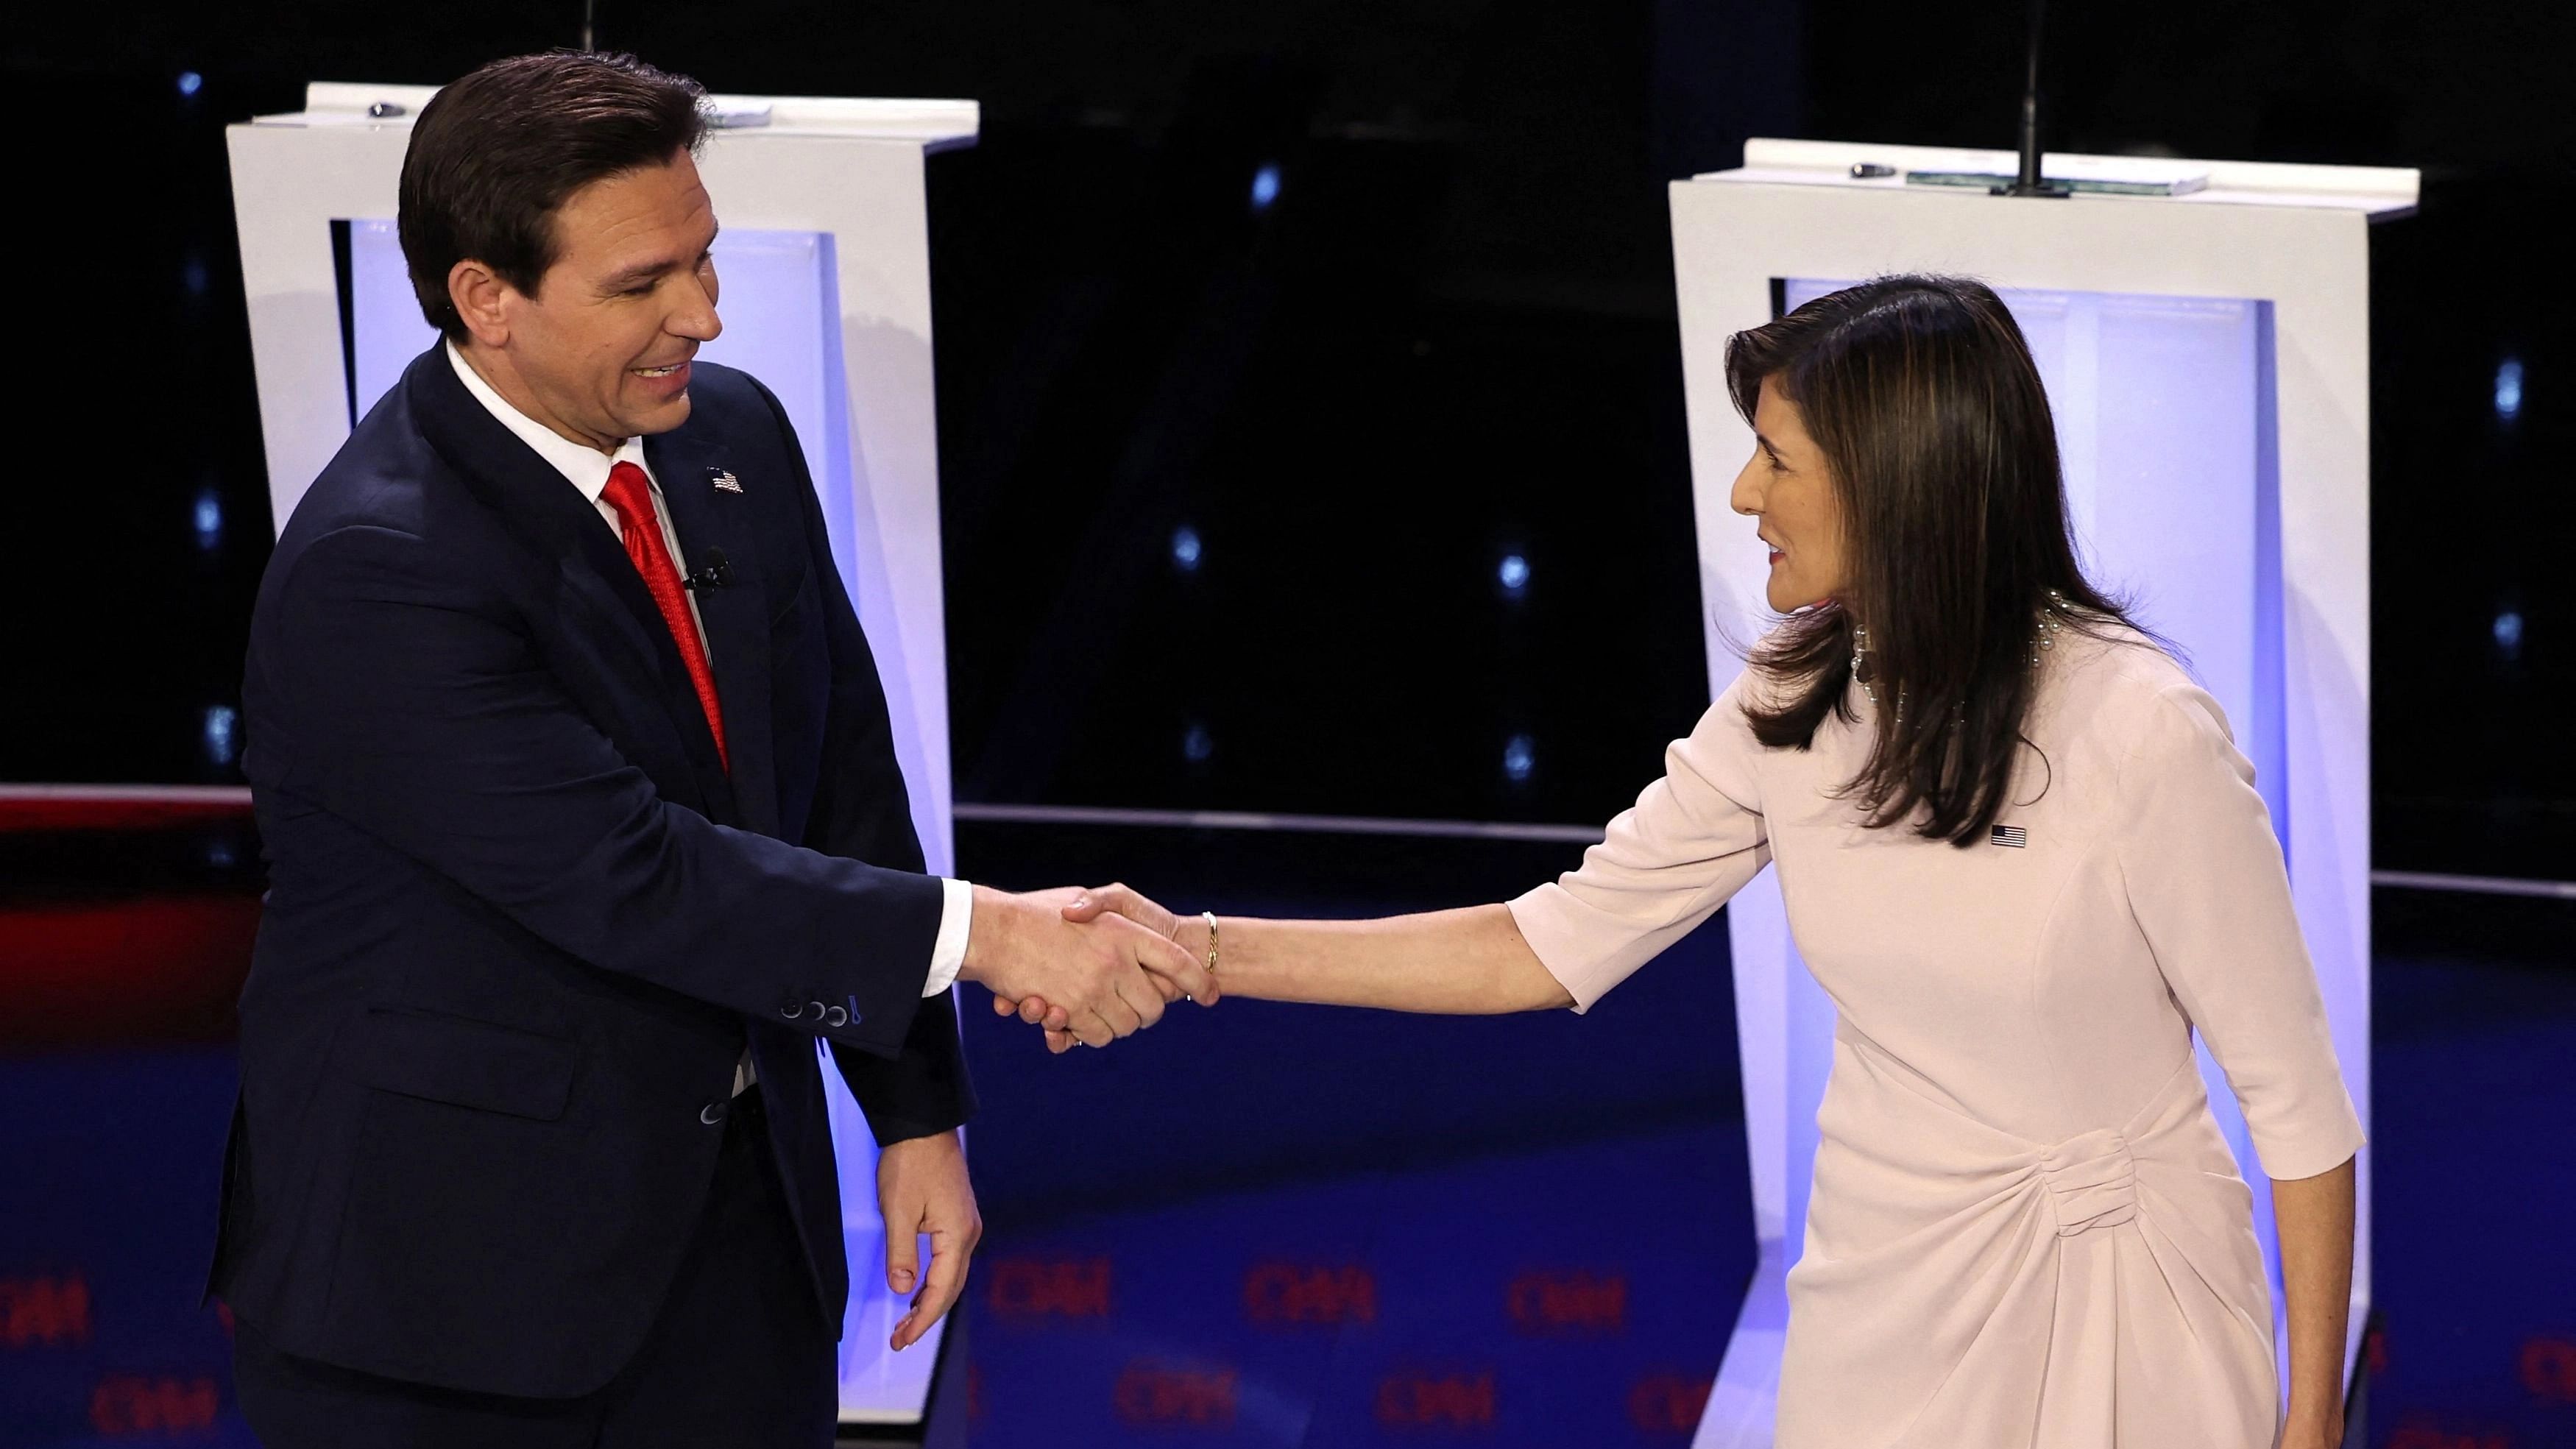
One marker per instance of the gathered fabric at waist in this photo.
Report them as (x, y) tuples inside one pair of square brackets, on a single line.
[(1893, 1162), (1959, 1269)]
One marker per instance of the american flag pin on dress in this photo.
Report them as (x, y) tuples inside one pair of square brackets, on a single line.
[(725, 482), (2012, 835)]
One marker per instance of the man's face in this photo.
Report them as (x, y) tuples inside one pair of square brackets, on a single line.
[(603, 347)]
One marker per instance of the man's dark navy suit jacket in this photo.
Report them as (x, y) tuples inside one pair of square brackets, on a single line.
[(521, 923)]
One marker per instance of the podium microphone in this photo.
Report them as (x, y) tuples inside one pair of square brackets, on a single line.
[(2030, 182)]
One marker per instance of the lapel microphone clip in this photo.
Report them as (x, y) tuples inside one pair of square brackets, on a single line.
[(716, 575)]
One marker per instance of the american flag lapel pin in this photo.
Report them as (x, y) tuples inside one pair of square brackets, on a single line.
[(2012, 835), (725, 482)]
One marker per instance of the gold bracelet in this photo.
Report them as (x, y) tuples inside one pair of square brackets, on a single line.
[(1210, 918)]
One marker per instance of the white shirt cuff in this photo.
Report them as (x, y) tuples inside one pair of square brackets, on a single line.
[(949, 951)]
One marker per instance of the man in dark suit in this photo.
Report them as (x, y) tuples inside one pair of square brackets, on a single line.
[(587, 845)]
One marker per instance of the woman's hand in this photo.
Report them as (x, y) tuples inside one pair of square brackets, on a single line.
[(1466, 962), (1081, 908), (1111, 976)]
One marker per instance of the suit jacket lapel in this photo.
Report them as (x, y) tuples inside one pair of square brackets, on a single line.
[(596, 580), (710, 522)]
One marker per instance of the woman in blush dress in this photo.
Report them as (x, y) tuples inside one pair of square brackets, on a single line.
[(2022, 855)]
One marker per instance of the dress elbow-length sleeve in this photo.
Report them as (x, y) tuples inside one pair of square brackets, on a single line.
[(1665, 864), (2206, 881)]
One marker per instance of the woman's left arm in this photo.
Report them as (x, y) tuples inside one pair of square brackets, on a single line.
[(2314, 1216), (2207, 884)]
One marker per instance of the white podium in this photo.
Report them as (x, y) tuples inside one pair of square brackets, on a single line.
[(2208, 360), (826, 269)]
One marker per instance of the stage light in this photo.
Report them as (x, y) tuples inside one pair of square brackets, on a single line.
[(190, 83), (220, 730), (1197, 745), (209, 520), (1519, 757), (1265, 186), (2508, 392), (1514, 574), (2508, 634), (1185, 549)]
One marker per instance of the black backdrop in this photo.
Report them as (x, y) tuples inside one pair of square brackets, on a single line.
[(1447, 341)]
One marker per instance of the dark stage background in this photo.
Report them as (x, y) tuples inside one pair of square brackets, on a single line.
[(1448, 340), (1231, 469)]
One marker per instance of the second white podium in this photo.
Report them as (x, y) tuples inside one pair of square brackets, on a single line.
[(2207, 358)]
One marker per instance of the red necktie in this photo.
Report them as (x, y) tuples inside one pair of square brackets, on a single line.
[(631, 494)]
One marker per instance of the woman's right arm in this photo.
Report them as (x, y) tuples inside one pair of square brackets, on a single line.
[(1693, 839), (1469, 962)]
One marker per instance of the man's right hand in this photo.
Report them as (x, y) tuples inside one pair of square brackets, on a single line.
[(1106, 975)]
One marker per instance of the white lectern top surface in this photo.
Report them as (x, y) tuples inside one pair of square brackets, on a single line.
[(2377, 191), (935, 124)]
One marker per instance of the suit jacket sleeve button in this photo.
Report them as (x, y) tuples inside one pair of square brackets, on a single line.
[(791, 1009), (816, 1008), (712, 1113), (836, 1017)]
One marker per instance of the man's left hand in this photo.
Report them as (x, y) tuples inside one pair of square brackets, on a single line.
[(922, 1189)]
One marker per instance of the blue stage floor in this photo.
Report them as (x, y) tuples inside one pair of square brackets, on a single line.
[(1289, 1226), (1573, 1294), (2476, 1193)]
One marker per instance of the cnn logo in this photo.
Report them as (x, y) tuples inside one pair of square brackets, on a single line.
[(2549, 1369), (1152, 1393), (1568, 1302), (44, 1312), (1290, 1293), (2420, 1433), (1412, 1400), (1040, 1288), (1667, 1405), (132, 1404)]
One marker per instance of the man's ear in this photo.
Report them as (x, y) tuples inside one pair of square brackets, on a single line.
[(477, 293)]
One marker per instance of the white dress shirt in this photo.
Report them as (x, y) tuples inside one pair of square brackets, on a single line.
[(587, 468)]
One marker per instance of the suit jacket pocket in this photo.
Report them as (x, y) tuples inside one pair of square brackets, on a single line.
[(463, 1062)]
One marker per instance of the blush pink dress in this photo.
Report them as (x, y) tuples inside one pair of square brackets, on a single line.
[(2025, 1228)]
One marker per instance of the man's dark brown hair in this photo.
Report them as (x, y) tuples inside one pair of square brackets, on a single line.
[(494, 154)]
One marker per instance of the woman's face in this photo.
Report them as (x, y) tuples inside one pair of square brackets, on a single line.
[(1785, 489)]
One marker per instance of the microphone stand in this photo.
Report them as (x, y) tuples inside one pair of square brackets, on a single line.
[(2030, 182)]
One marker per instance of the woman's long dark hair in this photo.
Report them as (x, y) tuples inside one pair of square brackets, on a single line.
[(1921, 394)]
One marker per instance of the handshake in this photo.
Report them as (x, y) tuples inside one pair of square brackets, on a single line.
[(1088, 966)]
